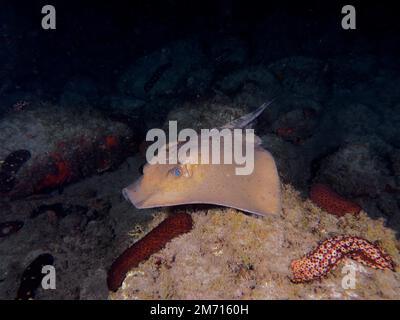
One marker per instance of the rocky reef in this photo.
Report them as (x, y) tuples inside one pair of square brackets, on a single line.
[(231, 255), (55, 146)]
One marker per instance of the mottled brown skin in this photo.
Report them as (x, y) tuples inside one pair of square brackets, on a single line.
[(173, 226), (325, 258)]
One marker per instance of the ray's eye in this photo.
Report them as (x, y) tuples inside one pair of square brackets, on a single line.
[(180, 171), (177, 172)]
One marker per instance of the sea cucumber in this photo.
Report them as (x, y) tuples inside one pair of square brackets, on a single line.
[(330, 252), (13, 162), (173, 226), (60, 172), (332, 202)]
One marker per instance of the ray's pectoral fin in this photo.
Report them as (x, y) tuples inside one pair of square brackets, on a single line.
[(168, 185), (257, 193)]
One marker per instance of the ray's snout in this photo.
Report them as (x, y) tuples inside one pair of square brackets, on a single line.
[(130, 194), (125, 193)]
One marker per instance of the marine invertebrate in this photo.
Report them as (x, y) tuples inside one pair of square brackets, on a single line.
[(330, 252), (111, 141), (13, 162), (330, 201), (32, 276), (9, 227), (61, 171), (173, 226), (156, 76)]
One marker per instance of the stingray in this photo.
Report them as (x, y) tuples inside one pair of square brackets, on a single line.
[(164, 185)]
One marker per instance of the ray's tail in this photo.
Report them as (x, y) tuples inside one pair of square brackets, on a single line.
[(247, 119)]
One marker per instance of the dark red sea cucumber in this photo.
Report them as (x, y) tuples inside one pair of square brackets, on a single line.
[(173, 226), (333, 203), (330, 252), (61, 172)]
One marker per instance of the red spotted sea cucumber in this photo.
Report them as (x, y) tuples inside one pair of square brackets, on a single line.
[(60, 174), (330, 252), (332, 202), (173, 226)]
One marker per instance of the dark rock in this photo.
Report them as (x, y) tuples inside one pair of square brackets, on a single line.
[(303, 76), (13, 162), (59, 209), (355, 169), (32, 276)]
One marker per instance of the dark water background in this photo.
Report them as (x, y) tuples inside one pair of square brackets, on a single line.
[(99, 39)]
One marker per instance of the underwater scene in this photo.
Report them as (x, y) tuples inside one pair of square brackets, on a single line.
[(199, 150)]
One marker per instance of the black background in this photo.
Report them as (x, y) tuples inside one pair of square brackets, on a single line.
[(100, 38)]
